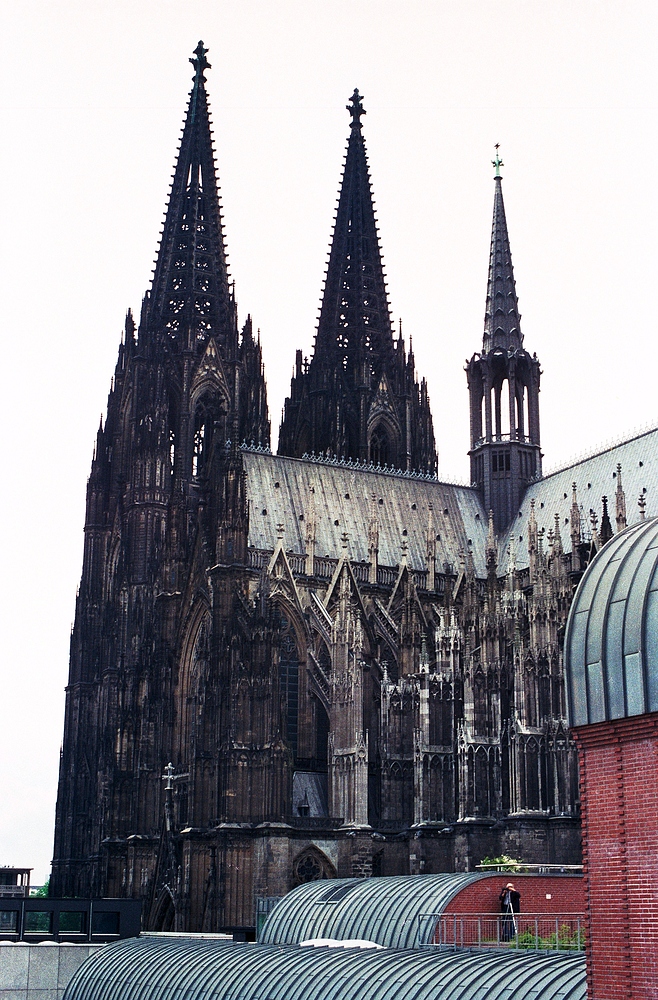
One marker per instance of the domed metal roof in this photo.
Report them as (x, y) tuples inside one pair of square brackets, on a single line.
[(611, 646), (388, 911), (185, 969)]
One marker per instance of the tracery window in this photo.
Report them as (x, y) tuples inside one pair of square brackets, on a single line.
[(206, 419), (380, 447), (311, 866)]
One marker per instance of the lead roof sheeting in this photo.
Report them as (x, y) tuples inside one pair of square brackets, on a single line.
[(208, 970), (384, 910), (465, 518), (593, 478), (611, 655)]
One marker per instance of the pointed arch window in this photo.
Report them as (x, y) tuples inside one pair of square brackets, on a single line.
[(289, 679), (380, 447), (207, 416)]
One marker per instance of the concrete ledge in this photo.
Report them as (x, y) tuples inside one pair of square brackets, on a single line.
[(39, 971)]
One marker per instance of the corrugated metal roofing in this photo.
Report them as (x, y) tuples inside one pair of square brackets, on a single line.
[(387, 911), (186, 969), (611, 647), (594, 477), (278, 490)]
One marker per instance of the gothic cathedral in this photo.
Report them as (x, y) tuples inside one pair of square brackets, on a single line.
[(324, 662)]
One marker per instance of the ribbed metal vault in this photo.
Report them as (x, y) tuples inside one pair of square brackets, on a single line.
[(388, 911), (185, 969), (611, 647)]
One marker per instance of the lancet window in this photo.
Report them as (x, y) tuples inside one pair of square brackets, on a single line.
[(289, 679)]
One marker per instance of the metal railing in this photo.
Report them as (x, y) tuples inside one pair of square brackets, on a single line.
[(15, 891), (563, 932), (522, 867)]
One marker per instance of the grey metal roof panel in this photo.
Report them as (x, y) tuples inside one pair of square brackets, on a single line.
[(343, 494), (611, 644), (190, 969), (595, 477), (387, 911)]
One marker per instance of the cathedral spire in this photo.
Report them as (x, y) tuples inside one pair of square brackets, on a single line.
[(355, 322), (358, 397), (502, 321), (503, 384), (190, 298)]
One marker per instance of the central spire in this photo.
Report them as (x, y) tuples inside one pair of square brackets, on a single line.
[(355, 322), (190, 299), (358, 397), (502, 321)]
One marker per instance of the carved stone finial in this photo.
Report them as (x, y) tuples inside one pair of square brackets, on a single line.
[(280, 528), (606, 527), (642, 504), (168, 776), (497, 163), (356, 109), (200, 63)]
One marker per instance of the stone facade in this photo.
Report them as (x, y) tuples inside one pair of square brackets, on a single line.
[(352, 667)]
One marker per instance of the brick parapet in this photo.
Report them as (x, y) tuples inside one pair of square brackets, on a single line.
[(549, 894)]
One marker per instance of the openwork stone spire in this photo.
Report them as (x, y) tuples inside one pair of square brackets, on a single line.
[(358, 397), (502, 321), (355, 321), (190, 299)]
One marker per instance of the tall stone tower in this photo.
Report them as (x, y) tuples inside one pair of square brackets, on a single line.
[(503, 383), (166, 525), (358, 397)]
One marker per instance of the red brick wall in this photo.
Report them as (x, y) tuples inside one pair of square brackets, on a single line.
[(567, 894), (619, 796)]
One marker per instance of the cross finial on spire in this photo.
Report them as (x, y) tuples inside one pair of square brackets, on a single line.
[(200, 63), (356, 109), (497, 163)]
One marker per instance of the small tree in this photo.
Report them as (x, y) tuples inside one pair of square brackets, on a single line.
[(43, 890)]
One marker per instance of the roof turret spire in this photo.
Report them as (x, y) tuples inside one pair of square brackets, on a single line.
[(502, 321), (190, 298)]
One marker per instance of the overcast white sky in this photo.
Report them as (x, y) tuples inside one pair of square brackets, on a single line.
[(92, 98)]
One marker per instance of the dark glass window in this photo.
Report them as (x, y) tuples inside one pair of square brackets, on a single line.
[(72, 922), (8, 921), (38, 921), (105, 923)]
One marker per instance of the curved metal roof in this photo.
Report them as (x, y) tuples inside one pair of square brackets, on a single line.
[(187, 969), (611, 646), (388, 911)]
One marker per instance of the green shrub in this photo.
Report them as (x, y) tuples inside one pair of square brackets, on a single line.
[(504, 863)]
